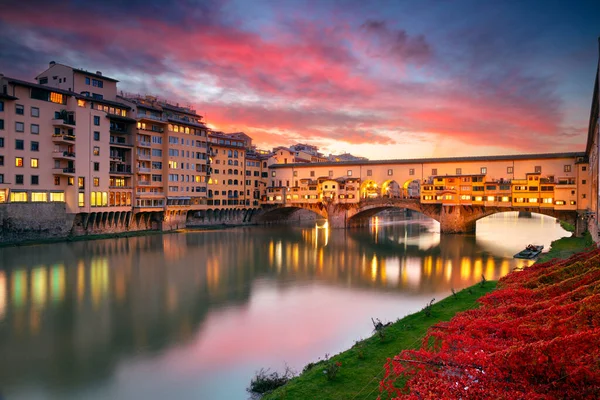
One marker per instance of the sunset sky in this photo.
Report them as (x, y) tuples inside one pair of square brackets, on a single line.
[(381, 79)]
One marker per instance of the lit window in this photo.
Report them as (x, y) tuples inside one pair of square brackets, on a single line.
[(81, 199), (57, 98), (34, 163), (18, 161), (18, 197), (390, 171), (39, 196), (96, 150), (80, 103), (57, 196), (567, 168), (483, 170), (349, 172), (96, 181)]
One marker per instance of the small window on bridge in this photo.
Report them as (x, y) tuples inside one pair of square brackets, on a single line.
[(369, 172), (411, 171), (583, 168), (509, 170), (434, 171), (390, 172), (583, 182), (484, 170), (458, 171), (349, 172), (538, 169), (567, 168)]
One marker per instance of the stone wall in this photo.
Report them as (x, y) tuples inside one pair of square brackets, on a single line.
[(20, 222)]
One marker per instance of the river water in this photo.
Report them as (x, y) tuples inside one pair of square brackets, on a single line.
[(194, 315)]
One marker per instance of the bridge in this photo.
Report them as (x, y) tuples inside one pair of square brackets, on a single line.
[(456, 192)]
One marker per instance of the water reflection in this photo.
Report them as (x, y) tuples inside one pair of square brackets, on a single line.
[(72, 314)]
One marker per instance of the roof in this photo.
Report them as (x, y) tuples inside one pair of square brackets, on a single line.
[(436, 160), (83, 71), (38, 86), (7, 97), (102, 101), (182, 110)]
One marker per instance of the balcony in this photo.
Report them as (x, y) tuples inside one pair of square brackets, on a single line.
[(64, 171), (65, 155), (144, 144), (151, 117), (144, 169), (120, 169), (66, 122), (143, 183), (63, 138), (117, 158), (144, 157)]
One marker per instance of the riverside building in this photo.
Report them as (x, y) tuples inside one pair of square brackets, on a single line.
[(116, 160)]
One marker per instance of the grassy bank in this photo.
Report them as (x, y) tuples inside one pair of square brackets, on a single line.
[(566, 247), (362, 366)]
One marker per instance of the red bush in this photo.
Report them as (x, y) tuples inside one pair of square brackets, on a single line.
[(536, 337)]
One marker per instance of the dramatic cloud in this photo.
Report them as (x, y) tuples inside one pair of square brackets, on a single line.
[(356, 75)]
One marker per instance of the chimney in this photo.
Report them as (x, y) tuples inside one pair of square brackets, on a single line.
[(99, 73), (51, 63)]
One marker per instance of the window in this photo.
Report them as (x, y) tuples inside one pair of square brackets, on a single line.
[(96, 120), (34, 163), (509, 170), (19, 144), (35, 112), (330, 174), (1, 178), (35, 146), (19, 109), (567, 168), (458, 171), (96, 150), (273, 173), (434, 171), (312, 173), (57, 181), (295, 173), (96, 83), (390, 172), (70, 181), (96, 136), (96, 181), (349, 172), (35, 129), (96, 166), (35, 180), (583, 182), (19, 127), (1, 106), (81, 199), (19, 179), (18, 161), (538, 169), (583, 168), (81, 182), (483, 170), (1, 161), (87, 80), (369, 172), (1, 124)]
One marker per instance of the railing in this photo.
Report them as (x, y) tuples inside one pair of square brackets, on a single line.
[(144, 157), (64, 170), (143, 169), (64, 153), (144, 183), (62, 121), (64, 136), (126, 169), (144, 144), (152, 117)]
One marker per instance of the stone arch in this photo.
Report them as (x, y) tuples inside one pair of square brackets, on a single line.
[(411, 188), (369, 189), (391, 189)]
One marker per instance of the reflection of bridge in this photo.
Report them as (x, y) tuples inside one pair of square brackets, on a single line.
[(456, 192), (452, 219)]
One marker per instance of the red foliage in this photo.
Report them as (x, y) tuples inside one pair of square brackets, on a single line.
[(536, 337)]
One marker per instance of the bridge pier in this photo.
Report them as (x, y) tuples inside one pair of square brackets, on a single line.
[(456, 219)]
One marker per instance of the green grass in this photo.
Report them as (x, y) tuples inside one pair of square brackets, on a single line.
[(566, 247), (567, 226), (362, 365)]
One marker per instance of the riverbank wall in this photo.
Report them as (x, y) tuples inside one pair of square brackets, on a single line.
[(43, 222)]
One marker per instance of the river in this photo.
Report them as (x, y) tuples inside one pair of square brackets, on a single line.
[(194, 315)]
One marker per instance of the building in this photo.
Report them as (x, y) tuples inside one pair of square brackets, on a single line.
[(593, 148), (57, 141), (171, 158)]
